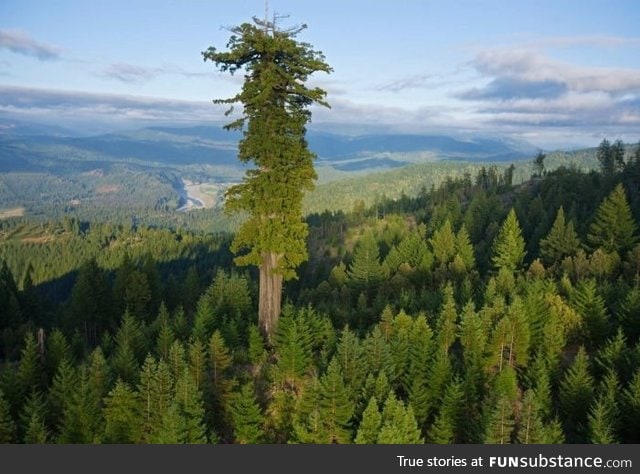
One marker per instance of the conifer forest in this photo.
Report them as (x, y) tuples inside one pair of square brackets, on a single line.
[(481, 308)]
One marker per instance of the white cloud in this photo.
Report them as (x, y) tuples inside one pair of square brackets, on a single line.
[(130, 72), (532, 66), (85, 109), (21, 43)]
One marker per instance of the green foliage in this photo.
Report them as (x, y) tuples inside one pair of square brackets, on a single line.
[(370, 425), (365, 271), (447, 425), (336, 407), (443, 243), (446, 327), (121, 409), (601, 431), (398, 424), (325, 410), (293, 346), (187, 409), (501, 422), (459, 352), (591, 306), (247, 416), (82, 416), (30, 370), (611, 157), (509, 247), (575, 396), (32, 420), (562, 240), (154, 397), (220, 363), (630, 410), (275, 102), (613, 228), (7, 425)]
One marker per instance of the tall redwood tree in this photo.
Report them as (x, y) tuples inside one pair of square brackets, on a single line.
[(275, 104)]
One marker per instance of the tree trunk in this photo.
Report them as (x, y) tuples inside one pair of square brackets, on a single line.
[(270, 298)]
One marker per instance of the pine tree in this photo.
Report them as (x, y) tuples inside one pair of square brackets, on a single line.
[(130, 348), (439, 376), (190, 291), (365, 271), (336, 406), (306, 417), (600, 428), (538, 164), (509, 246), (562, 241), (154, 396), (591, 306), (220, 380), (188, 402), (447, 328), (166, 336), (628, 314), (575, 396), (293, 348), (197, 362), (464, 249), (256, 350), (7, 425), (276, 102), (613, 228), (370, 425), (150, 271), (204, 320), (137, 296), (81, 419), (229, 295), (531, 429), (350, 356), (99, 375), (30, 373), (90, 305), (413, 251), (57, 350), (443, 243), (247, 416), (415, 383), (121, 408), (378, 354), (630, 410), (399, 345), (32, 420), (447, 424), (473, 339), (501, 422), (606, 157), (120, 285), (177, 360), (398, 424), (65, 383)]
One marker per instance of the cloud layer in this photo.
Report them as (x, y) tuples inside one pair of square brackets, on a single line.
[(84, 110), (527, 89), (21, 43)]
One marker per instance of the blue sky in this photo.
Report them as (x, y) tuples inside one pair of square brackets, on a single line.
[(555, 73)]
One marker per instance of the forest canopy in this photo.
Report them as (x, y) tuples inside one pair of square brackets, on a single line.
[(481, 311)]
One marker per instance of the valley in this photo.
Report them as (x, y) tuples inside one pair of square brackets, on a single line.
[(157, 174)]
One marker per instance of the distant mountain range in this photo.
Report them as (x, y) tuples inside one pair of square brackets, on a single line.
[(34, 147)]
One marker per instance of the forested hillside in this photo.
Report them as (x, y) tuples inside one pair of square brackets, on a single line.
[(481, 310)]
